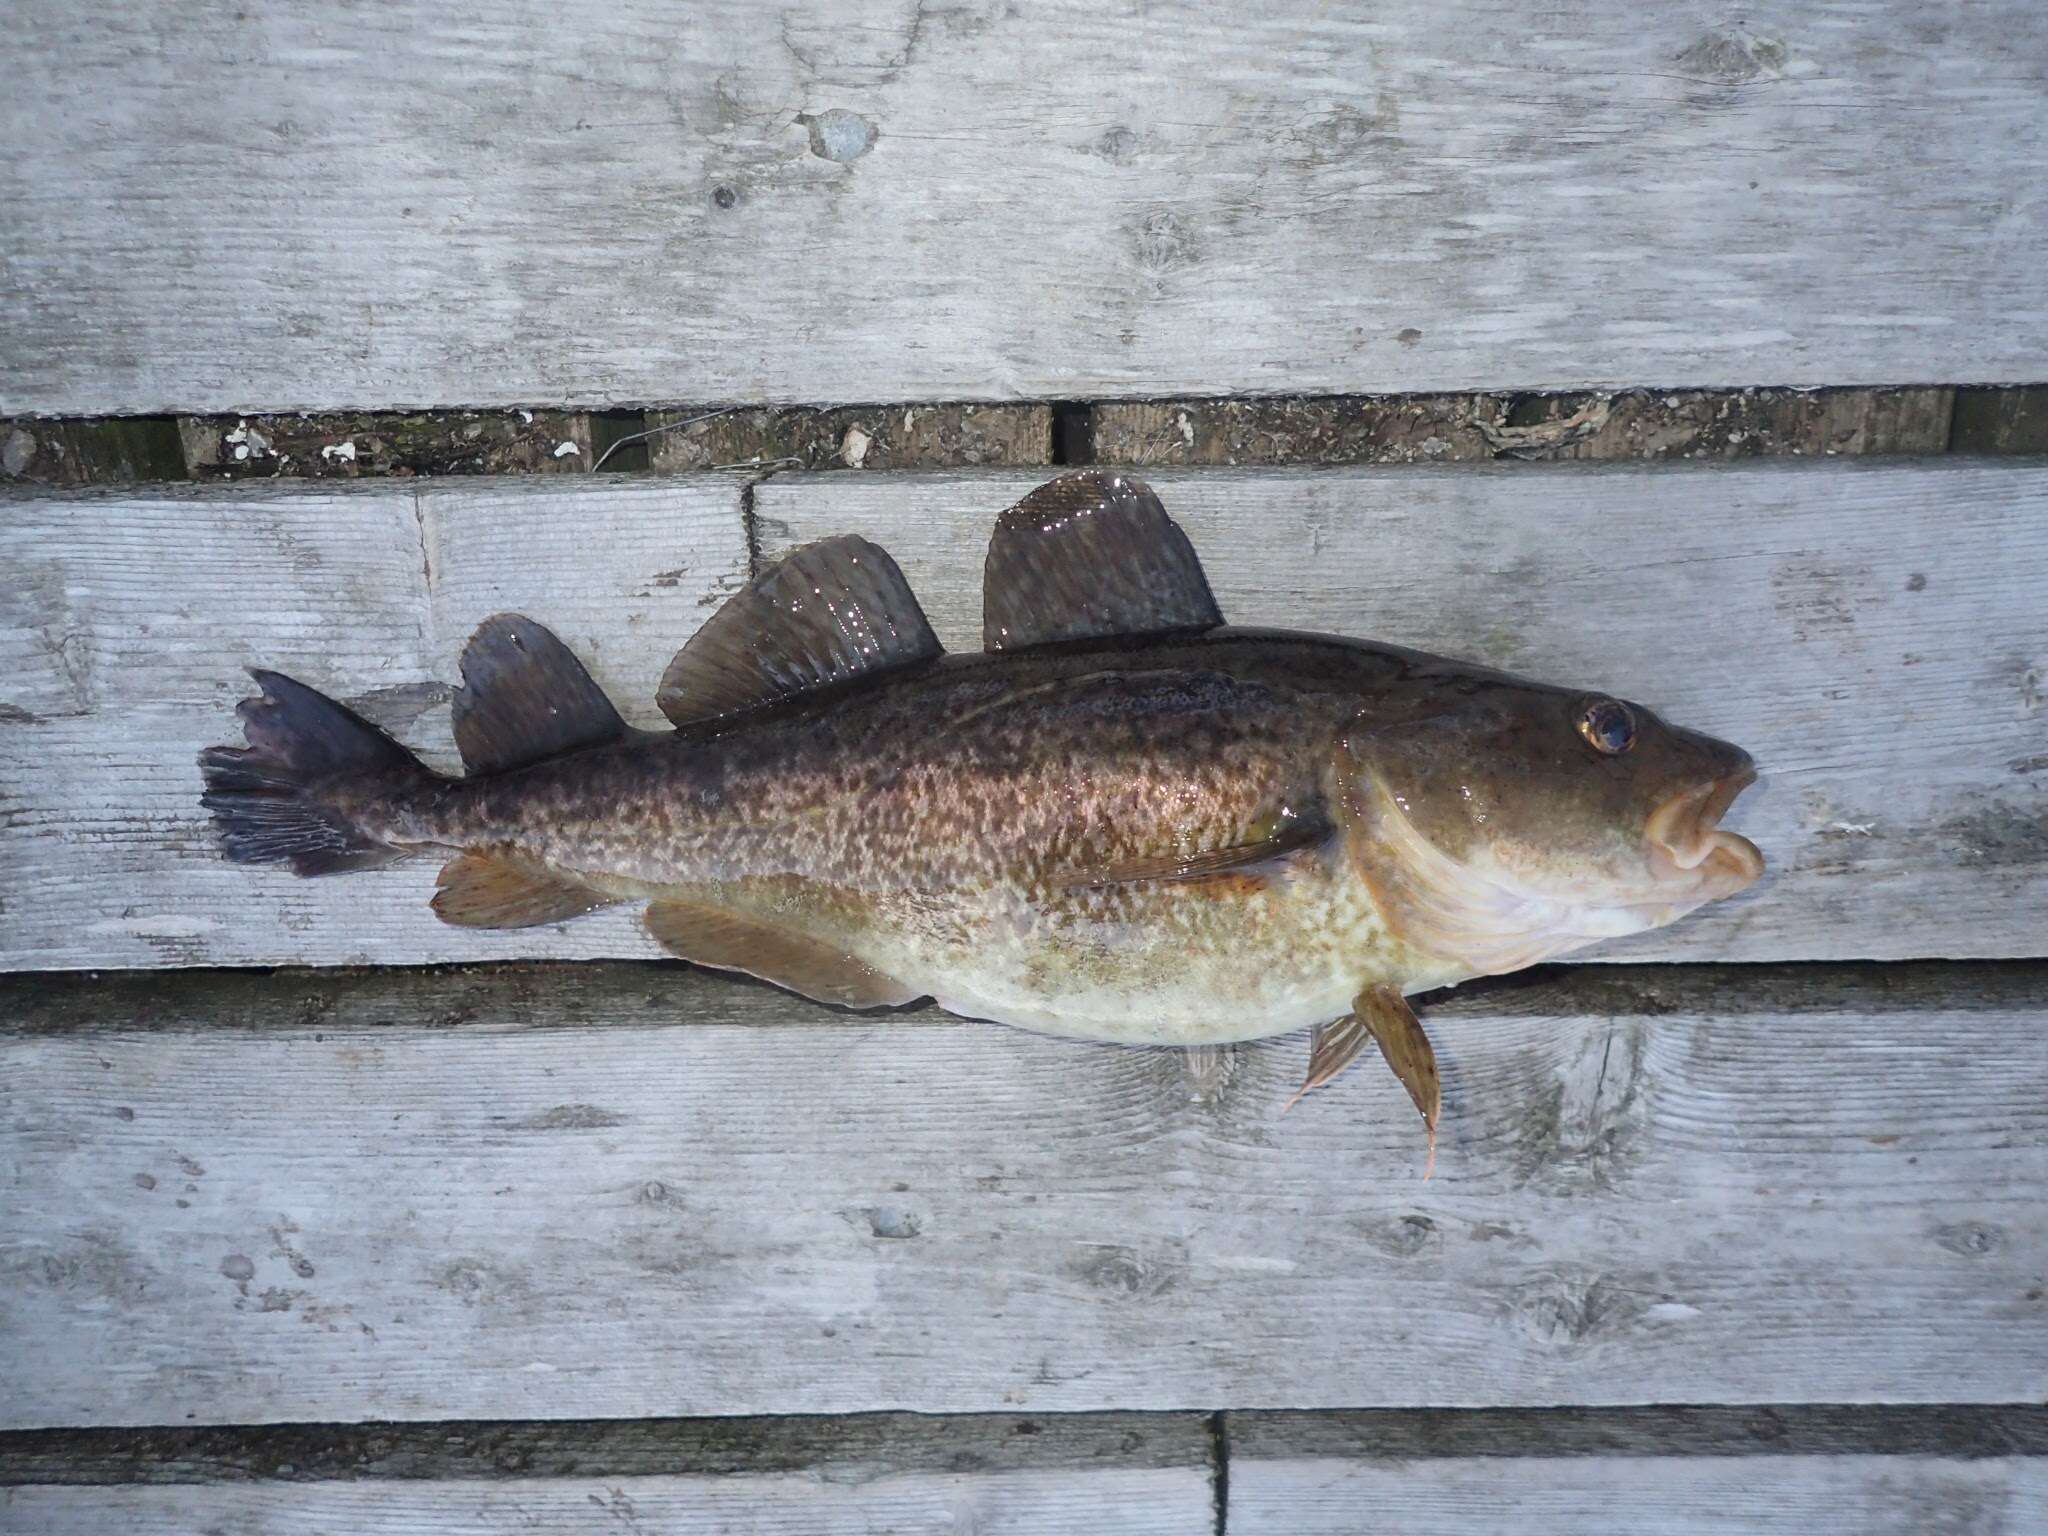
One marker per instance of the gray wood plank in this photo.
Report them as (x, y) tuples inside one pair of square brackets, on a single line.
[(1106, 1499), (1763, 1470), (1874, 635), (622, 1190), (125, 627), (1724, 1496), (320, 206)]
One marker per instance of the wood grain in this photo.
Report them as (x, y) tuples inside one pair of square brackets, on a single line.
[(1684, 1470), (1875, 636), (318, 206), (125, 626), (1101, 1499), (1725, 1496), (626, 1190)]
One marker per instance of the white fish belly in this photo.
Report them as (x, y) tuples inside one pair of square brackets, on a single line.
[(1196, 963)]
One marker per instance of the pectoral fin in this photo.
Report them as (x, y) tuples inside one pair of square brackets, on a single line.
[(1263, 856)]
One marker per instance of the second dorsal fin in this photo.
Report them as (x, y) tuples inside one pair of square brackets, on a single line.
[(822, 614), (524, 696), (1090, 555)]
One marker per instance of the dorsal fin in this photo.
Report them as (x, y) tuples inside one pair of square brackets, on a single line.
[(821, 615), (1089, 555), (524, 697)]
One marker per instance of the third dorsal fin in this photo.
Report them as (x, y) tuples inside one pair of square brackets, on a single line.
[(1089, 555), (821, 615), (524, 697)]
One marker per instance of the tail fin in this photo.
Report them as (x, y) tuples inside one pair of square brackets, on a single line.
[(295, 794)]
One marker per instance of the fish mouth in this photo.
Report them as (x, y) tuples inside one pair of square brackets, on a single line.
[(1687, 841)]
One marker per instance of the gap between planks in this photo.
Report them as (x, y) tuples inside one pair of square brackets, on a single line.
[(904, 1442), (1639, 424)]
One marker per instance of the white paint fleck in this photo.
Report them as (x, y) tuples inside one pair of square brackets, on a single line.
[(853, 448), (1671, 1311), (563, 450), (1187, 430), (1855, 828), (20, 450), (245, 440), (527, 417), (346, 452)]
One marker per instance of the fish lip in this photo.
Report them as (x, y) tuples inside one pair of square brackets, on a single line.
[(1687, 840)]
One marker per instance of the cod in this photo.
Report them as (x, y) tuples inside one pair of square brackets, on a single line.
[(1121, 820)]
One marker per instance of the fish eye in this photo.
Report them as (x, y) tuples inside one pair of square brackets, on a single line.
[(1608, 725)]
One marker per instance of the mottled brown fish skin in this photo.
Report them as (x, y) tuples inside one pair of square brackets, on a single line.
[(940, 821)]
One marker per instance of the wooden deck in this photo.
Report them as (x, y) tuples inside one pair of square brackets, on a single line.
[(318, 1215)]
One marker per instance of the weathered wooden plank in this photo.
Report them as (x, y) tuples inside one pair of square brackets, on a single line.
[(821, 202), (125, 625), (627, 1190), (1680, 1470), (1875, 636), (898, 1472), (1725, 1496), (1104, 1499)]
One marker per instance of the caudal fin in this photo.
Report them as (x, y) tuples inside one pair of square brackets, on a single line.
[(296, 794)]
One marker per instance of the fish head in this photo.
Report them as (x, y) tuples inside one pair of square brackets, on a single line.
[(1503, 821)]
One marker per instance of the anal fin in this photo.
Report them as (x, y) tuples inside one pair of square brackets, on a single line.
[(727, 941), (480, 890)]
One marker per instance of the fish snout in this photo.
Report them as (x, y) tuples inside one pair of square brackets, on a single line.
[(1687, 841)]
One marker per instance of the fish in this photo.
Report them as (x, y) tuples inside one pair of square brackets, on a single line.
[(1122, 820)]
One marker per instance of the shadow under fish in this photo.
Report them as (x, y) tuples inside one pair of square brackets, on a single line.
[(1121, 820)]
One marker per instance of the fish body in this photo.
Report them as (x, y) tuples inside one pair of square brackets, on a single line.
[(942, 824), (1122, 821)]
